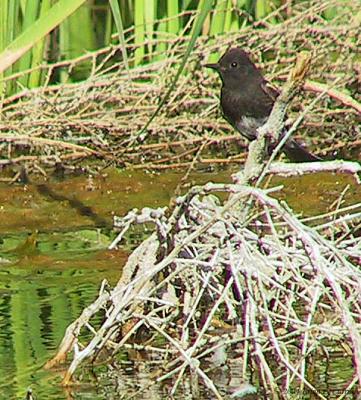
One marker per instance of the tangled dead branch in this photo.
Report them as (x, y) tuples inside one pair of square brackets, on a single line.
[(281, 291), (288, 291)]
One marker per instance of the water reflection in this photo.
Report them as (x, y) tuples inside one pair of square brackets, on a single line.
[(48, 277), (38, 300)]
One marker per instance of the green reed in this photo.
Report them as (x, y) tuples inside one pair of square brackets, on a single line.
[(36, 32)]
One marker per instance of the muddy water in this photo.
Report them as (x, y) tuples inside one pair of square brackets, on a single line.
[(53, 256)]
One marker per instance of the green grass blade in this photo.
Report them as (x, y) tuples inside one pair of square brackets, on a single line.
[(222, 14), (3, 38), (263, 8), (3, 23), (38, 51), (82, 32), (139, 31), (161, 46), (119, 24), (228, 16), (108, 31), (172, 14), (9, 11), (186, 4), (27, 39), (30, 16), (204, 8), (149, 18), (13, 28), (64, 43), (218, 18)]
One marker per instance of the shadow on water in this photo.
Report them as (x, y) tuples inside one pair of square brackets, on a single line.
[(78, 205), (53, 256)]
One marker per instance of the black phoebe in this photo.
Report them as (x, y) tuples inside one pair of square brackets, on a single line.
[(247, 100)]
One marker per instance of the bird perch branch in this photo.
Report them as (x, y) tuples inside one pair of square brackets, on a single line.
[(275, 123)]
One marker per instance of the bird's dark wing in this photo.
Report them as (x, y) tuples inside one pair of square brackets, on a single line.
[(293, 150), (297, 153)]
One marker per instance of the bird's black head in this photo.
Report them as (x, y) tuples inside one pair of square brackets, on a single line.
[(235, 67)]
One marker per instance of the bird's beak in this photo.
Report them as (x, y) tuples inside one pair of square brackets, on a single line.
[(213, 66)]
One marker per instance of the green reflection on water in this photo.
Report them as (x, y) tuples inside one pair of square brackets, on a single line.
[(48, 277), (34, 316)]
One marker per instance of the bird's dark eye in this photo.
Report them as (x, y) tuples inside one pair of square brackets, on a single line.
[(234, 64)]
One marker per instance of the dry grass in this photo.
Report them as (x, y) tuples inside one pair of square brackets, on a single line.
[(105, 114)]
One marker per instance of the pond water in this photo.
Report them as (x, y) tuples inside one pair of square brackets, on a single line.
[(53, 257)]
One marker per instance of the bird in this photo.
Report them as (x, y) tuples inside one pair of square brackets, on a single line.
[(247, 99)]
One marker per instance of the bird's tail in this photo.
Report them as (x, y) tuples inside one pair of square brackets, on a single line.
[(297, 153)]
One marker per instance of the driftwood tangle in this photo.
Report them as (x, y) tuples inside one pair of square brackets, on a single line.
[(246, 276)]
